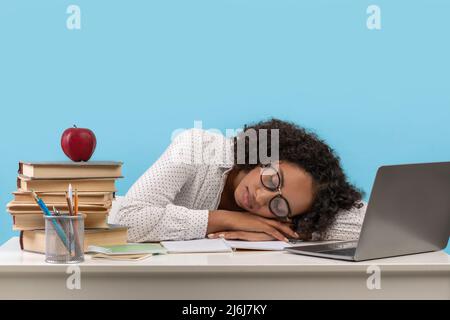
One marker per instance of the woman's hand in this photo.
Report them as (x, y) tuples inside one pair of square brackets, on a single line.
[(227, 221)]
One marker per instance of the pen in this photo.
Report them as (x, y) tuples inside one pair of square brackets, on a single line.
[(47, 212), (71, 212), (41, 204)]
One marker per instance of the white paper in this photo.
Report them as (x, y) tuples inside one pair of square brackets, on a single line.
[(258, 245), (221, 245), (194, 246)]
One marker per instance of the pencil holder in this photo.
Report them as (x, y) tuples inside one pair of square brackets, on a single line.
[(64, 238)]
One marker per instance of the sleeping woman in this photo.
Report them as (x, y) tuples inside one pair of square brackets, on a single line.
[(203, 186)]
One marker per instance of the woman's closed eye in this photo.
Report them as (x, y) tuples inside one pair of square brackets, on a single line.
[(271, 181), (275, 181)]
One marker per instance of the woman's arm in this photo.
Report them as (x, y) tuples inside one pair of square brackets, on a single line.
[(247, 226), (148, 210)]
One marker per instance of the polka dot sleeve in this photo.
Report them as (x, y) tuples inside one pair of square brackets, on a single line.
[(346, 225), (148, 209)]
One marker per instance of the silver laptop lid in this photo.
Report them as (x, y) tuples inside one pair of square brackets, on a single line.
[(408, 211)]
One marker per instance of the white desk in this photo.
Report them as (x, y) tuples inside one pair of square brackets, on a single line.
[(237, 275)]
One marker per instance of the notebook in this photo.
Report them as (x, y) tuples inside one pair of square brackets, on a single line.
[(221, 245), (126, 252), (124, 257), (128, 249)]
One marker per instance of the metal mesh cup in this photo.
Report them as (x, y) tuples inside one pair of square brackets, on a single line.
[(64, 238)]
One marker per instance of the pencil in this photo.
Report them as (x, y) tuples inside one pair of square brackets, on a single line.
[(69, 204), (76, 201), (78, 247)]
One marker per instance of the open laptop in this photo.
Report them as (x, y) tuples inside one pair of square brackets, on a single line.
[(408, 212)]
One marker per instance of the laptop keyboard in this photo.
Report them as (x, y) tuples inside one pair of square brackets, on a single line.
[(342, 252)]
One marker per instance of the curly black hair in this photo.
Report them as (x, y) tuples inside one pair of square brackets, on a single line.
[(332, 191)]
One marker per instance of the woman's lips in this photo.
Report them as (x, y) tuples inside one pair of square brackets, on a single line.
[(246, 198)]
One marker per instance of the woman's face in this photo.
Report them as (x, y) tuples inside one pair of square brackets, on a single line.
[(296, 188)]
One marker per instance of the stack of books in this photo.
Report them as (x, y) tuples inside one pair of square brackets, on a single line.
[(95, 185)]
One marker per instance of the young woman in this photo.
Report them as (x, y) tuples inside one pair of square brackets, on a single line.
[(199, 189)]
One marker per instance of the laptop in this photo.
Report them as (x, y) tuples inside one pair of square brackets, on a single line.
[(408, 212)]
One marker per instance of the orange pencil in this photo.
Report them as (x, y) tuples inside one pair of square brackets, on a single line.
[(76, 201)]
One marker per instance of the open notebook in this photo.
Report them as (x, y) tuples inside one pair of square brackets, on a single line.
[(128, 252), (221, 245)]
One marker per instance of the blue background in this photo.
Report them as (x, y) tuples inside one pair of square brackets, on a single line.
[(137, 70)]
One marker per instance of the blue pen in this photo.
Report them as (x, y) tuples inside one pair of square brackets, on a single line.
[(47, 212)]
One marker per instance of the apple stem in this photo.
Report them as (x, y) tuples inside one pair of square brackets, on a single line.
[(74, 126)]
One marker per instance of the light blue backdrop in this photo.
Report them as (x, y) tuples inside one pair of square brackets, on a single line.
[(137, 70)]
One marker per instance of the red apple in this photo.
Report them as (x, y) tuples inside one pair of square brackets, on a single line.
[(78, 143)]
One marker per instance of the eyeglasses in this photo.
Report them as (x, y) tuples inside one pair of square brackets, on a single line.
[(271, 179)]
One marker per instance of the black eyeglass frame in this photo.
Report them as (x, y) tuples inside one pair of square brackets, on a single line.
[(278, 196)]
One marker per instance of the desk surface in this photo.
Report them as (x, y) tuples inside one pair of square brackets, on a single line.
[(237, 275), (12, 258)]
